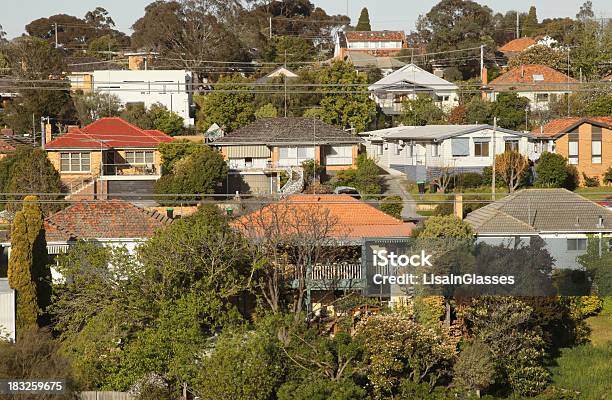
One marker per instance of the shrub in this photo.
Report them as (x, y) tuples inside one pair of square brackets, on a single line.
[(466, 180), (590, 181), (312, 171), (321, 390), (475, 367), (552, 170), (608, 176), (393, 206)]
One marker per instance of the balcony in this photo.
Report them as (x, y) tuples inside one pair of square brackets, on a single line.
[(342, 276), (127, 169)]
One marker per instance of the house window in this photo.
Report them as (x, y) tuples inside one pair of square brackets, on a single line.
[(481, 147), (576, 244), (75, 162), (442, 98), (572, 153), (460, 147), (339, 155), (398, 149), (435, 150), (511, 145), (596, 145), (541, 97), (139, 157)]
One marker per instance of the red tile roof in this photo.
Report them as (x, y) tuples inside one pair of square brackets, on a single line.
[(517, 45), (608, 78), (103, 219), (523, 77), (563, 125), (6, 147), (109, 133), (346, 218), (374, 36)]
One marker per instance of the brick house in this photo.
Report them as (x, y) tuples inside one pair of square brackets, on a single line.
[(585, 142), (260, 151), (107, 157), (538, 83), (376, 43)]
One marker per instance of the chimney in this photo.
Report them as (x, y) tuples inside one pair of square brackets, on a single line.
[(459, 206), (136, 62), (522, 71), (48, 133), (484, 78), (439, 72), (600, 222)]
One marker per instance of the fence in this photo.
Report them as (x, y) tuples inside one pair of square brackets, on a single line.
[(106, 396)]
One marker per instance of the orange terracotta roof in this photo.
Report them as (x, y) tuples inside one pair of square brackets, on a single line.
[(608, 78), (524, 77), (366, 36), (562, 125), (338, 217), (6, 147), (517, 45), (103, 219)]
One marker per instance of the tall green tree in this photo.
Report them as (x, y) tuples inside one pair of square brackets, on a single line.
[(422, 111), (165, 120), (530, 24), (136, 114), (510, 110), (32, 172), (348, 110), (28, 272), (364, 21), (230, 107), (288, 50), (34, 62), (541, 54), (92, 106)]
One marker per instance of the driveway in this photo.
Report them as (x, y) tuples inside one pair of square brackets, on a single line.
[(394, 187)]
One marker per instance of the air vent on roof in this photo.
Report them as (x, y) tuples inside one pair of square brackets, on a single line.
[(537, 78)]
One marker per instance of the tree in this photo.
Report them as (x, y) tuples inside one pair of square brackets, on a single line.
[(586, 11), (260, 373), (511, 166), (319, 389), (509, 109), (540, 54), (475, 368), (266, 111), (28, 272), (174, 151), (190, 33), (36, 356), (530, 24), (198, 174), (155, 311), (92, 106), (350, 110), (33, 62), (551, 170), (229, 110), (99, 18), (422, 111), (136, 114), (165, 120), (99, 47), (478, 111), (365, 178), (608, 176), (32, 172), (288, 50), (2, 35), (447, 226), (393, 206), (364, 21), (396, 347)]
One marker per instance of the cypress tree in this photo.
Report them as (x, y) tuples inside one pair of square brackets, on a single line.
[(364, 21), (28, 272)]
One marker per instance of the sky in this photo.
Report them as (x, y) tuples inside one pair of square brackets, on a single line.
[(384, 14)]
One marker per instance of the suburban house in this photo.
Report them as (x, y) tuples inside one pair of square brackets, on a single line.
[(107, 158), (258, 153), (585, 142), (7, 310), (376, 43), (407, 83), (424, 152), (515, 46), (538, 83), (562, 219), (364, 62), (280, 74), (331, 221)]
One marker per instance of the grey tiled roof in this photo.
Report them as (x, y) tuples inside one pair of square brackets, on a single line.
[(290, 130), (541, 210)]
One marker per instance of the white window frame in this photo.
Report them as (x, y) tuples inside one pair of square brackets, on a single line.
[(572, 151), (77, 161), (140, 157), (435, 150), (576, 244), (339, 155), (596, 151)]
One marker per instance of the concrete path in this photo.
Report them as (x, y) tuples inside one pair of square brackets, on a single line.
[(394, 187)]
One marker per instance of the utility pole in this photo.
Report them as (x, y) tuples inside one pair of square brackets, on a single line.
[(33, 128), (285, 83), (568, 85), (493, 166), (56, 42), (481, 62), (270, 27), (517, 25), (43, 131)]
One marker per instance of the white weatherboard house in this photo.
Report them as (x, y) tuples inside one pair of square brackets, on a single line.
[(407, 83), (171, 88), (421, 152), (562, 219)]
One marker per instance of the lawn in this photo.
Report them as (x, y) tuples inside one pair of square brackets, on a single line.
[(588, 368)]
